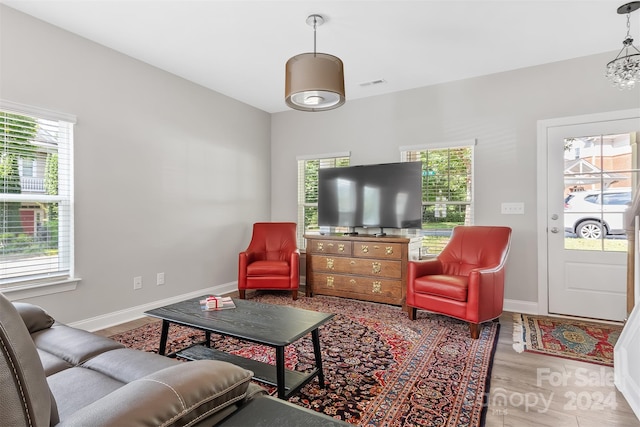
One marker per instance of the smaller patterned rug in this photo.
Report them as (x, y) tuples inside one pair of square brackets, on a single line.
[(571, 339)]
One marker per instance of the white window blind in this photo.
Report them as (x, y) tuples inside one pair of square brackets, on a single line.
[(308, 168), (36, 196), (447, 191)]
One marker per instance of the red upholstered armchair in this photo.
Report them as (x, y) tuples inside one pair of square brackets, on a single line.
[(466, 280), (272, 260)]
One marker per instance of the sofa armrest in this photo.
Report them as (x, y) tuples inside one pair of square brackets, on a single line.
[(33, 316), (179, 395)]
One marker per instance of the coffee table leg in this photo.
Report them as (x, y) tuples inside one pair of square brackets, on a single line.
[(163, 337), (207, 338), (280, 372), (315, 337)]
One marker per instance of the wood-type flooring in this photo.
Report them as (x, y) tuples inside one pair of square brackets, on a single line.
[(529, 389)]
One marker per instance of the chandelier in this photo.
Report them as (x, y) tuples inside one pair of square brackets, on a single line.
[(314, 81), (624, 71)]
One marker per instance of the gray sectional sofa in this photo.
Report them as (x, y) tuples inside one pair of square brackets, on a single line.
[(52, 374)]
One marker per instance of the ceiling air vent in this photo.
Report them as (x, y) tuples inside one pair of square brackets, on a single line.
[(373, 82)]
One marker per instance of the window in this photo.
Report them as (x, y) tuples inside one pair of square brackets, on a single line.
[(36, 198), (447, 190), (308, 190)]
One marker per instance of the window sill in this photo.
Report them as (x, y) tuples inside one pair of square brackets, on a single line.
[(31, 290)]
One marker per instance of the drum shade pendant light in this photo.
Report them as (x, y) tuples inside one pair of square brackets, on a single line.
[(314, 81), (624, 71)]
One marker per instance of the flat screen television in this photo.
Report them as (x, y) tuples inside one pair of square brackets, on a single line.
[(382, 196)]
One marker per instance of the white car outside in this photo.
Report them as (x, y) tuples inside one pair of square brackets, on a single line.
[(593, 214)]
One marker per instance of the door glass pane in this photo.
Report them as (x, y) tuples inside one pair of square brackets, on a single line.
[(600, 173)]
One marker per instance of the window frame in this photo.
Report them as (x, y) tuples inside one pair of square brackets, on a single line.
[(64, 279), (302, 204), (430, 249)]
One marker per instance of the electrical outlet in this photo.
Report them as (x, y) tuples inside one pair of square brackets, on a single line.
[(513, 208), (137, 282), (160, 279)]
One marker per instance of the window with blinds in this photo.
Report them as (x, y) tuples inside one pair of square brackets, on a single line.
[(447, 192), (308, 190), (35, 197)]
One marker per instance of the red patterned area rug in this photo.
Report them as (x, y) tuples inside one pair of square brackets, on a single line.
[(381, 369), (571, 339)]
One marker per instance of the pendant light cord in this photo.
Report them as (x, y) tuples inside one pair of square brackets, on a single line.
[(315, 20)]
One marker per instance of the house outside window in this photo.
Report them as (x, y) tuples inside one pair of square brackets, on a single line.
[(447, 190), (308, 167), (36, 196)]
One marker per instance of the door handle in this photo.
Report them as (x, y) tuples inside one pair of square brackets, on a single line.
[(554, 216), (555, 230)]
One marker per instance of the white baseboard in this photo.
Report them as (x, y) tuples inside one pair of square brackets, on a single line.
[(117, 317), (133, 313), (518, 306)]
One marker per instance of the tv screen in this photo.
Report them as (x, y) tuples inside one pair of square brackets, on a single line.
[(384, 196)]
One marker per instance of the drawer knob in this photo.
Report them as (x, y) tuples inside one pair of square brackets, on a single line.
[(341, 247), (389, 250), (320, 247), (376, 267), (352, 281), (352, 262), (377, 287), (365, 249), (330, 263)]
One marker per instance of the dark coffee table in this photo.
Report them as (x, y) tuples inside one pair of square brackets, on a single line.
[(268, 411), (268, 324)]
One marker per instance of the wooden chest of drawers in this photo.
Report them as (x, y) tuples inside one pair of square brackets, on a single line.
[(361, 267)]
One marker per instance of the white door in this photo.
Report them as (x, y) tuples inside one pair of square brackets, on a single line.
[(592, 178)]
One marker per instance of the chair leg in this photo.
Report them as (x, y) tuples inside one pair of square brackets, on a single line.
[(241, 294), (411, 311), (474, 328), (294, 294)]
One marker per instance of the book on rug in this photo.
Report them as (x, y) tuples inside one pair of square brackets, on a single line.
[(216, 303)]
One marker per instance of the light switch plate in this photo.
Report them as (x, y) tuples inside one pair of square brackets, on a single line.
[(512, 208)]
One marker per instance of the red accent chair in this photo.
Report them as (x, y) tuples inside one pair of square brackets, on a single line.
[(272, 260), (466, 280)]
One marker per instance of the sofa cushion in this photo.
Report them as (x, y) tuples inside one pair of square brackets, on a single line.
[(34, 317), (73, 345), (51, 363), (75, 388), (268, 268), (181, 395), (452, 287), (126, 364)]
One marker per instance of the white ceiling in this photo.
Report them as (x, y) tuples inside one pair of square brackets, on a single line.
[(239, 48)]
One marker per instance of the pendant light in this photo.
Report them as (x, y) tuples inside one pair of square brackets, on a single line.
[(314, 81)]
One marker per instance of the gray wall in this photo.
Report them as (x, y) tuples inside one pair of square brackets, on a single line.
[(500, 110), (169, 176)]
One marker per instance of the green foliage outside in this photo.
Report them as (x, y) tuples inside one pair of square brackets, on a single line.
[(446, 191), (51, 187), (446, 194), (446, 177), (608, 245), (311, 168), (18, 132)]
